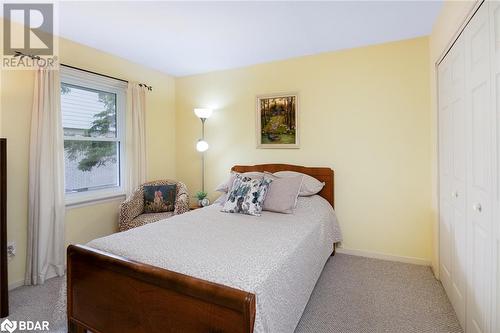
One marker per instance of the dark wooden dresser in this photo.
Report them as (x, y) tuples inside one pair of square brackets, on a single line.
[(4, 299)]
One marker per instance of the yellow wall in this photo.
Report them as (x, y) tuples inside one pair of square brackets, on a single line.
[(84, 223), (363, 112), (452, 15)]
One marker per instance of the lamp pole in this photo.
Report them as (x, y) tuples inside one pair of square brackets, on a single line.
[(202, 145), (203, 155)]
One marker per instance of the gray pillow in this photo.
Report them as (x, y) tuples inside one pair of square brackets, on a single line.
[(310, 185), (282, 194)]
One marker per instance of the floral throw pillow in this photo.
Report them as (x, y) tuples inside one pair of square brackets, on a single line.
[(159, 198), (246, 196)]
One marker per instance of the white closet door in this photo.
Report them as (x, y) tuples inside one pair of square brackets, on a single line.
[(445, 176), (458, 180), (495, 81), (480, 139), (453, 178)]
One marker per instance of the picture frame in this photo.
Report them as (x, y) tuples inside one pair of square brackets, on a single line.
[(277, 121)]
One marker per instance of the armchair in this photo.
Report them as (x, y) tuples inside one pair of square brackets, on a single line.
[(132, 210)]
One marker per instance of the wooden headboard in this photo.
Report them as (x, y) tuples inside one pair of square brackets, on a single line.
[(322, 174)]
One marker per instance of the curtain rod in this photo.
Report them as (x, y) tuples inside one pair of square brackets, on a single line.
[(34, 57), (150, 88)]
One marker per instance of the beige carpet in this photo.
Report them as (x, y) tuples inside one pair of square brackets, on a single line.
[(358, 295), (354, 294)]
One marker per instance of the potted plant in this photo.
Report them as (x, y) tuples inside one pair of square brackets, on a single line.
[(202, 199)]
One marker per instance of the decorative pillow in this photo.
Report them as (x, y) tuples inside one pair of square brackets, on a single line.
[(228, 184), (282, 194), (310, 185), (247, 196), (159, 198)]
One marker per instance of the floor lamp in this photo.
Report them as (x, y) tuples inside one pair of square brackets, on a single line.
[(202, 145)]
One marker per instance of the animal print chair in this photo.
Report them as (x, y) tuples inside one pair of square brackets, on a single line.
[(132, 210)]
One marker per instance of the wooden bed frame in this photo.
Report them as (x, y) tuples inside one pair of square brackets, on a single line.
[(111, 294)]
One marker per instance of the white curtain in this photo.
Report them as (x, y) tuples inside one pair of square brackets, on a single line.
[(136, 137), (46, 253)]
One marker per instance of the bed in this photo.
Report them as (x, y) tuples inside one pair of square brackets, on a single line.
[(206, 271)]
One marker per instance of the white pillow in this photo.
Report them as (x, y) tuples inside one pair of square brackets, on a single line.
[(220, 200), (226, 186), (310, 185)]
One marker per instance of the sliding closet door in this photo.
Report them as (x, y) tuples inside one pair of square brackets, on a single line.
[(453, 177), (495, 81), (469, 147), (480, 140), (459, 180), (445, 177)]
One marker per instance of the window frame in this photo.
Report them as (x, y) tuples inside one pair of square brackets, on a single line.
[(93, 81)]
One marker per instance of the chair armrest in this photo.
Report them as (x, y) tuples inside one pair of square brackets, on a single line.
[(182, 200), (182, 204), (129, 210)]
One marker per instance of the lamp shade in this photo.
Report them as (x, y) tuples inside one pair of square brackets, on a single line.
[(203, 113), (201, 146)]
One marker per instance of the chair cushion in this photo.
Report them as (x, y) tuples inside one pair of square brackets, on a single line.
[(146, 219)]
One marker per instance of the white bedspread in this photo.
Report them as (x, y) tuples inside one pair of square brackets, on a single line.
[(278, 257)]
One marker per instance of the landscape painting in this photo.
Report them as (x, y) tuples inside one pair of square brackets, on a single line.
[(277, 121)]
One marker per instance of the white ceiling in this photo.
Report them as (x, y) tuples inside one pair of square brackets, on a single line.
[(184, 38)]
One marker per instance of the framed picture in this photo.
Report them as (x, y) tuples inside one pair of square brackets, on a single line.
[(278, 121)]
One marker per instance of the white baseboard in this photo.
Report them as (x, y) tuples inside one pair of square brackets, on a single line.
[(384, 256), (16, 284)]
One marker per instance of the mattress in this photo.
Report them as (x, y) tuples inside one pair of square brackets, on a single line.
[(277, 257)]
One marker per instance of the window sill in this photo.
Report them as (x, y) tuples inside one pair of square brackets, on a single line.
[(93, 199)]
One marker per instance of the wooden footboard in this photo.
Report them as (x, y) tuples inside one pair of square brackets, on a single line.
[(108, 294)]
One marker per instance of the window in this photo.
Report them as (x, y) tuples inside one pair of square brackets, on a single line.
[(93, 117)]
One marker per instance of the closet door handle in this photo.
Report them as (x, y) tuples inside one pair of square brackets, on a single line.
[(477, 207), (454, 194)]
